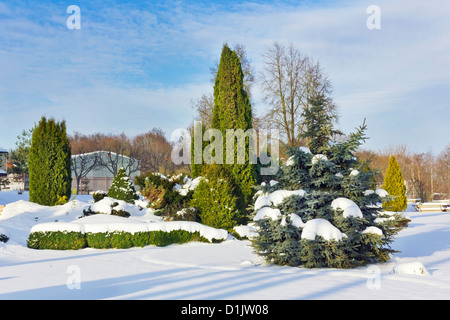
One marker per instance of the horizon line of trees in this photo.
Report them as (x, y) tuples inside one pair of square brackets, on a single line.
[(294, 87), (427, 176)]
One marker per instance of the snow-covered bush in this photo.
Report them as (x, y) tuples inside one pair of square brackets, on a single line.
[(112, 207), (57, 240), (62, 240), (105, 232), (99, 195), (320, 213), (122, 188), (164, 192)]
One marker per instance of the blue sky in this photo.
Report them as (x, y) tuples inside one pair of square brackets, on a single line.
[(137, 65)]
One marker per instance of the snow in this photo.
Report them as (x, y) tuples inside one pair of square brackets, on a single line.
[(373, 230), (278, 196), (188, 185), (349, 208), (290, 161), (415, 267), (296, 221), (105, 206), (200, 271), (323, 228), (101, 223), (267, 212), (305, 150), (319, 157), (381, 192), (246, 231), (262, 201), (275, 198)]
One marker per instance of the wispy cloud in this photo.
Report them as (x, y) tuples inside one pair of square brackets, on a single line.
[(134, 66)]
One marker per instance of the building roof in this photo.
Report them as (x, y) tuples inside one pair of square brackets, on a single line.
[(101, 170)]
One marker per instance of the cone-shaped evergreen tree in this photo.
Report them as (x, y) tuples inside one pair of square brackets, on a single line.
[(394, 184), (322, 213), (50, 164), (122, 188), (232, 111)]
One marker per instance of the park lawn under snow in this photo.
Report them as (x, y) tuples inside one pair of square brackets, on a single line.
[(228, 270)]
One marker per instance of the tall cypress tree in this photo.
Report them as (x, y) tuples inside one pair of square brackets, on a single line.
[(394, 184), (232, 110), (50, 163)]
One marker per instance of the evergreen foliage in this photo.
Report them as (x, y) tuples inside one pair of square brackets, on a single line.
[(197, 168), (318, 125), (63, 240), (122, 188), (215, 198), (232, 110), (50, 164), (19, 156), (394, 184), (162, 194), (313, 228)]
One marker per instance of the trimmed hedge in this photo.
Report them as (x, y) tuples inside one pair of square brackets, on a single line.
[(58, 240), (63, 240)]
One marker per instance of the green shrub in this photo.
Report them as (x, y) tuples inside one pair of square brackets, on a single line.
[(159, 190), (3, 238), (121, 239), (394, 184), (218, 205), (98, 195), (100, 240), (58, 240), (114, 211)]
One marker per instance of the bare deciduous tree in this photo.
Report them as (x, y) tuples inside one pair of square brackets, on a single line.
[(83, 158), (289, 80), (154, 150), (119, 147), (427, 177)]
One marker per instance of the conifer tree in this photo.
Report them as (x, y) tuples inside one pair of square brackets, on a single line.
[(394, 184), (50, 164), (318, 125), (122, 188), (232, 110), (322, 212)]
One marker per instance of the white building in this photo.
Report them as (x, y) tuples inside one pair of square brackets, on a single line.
[(96, 170)]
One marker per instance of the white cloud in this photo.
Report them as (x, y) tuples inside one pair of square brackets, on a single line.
[(152, 62)]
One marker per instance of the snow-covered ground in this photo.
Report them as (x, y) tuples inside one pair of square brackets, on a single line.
[(229, 270)]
